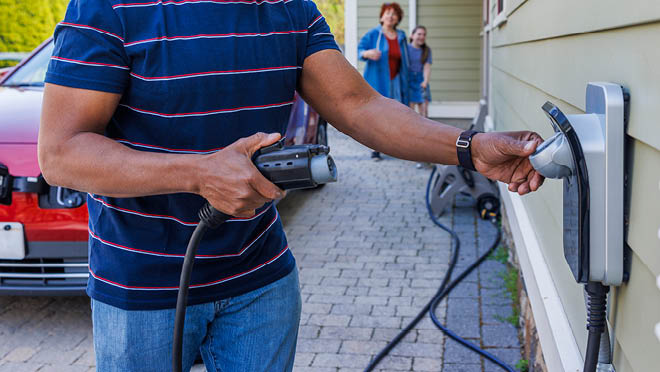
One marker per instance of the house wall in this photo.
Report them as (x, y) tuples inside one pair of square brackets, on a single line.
[(453, 28), (549, 51)]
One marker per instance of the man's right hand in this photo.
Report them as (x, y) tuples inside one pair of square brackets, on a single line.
[(231, 183)]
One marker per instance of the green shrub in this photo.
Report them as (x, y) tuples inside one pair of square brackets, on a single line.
[(522, 365), (25, 24), (333, 11)]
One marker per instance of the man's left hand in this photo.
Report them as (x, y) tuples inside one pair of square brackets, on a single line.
[(504, 156)]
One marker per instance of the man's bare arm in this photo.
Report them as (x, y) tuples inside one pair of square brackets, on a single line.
[(74, 153), (338, 92)]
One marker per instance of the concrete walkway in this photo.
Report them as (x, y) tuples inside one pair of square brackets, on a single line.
[(370, 259)]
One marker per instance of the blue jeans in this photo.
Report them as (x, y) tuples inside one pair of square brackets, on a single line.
[(256, 331)]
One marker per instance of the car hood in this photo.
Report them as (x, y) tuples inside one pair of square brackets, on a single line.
[(20, 109)]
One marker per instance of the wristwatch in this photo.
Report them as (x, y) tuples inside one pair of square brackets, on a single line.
[(463, 149)]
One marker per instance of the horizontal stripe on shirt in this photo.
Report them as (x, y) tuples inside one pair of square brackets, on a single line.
[(180, 151), (171, 218), (182, 37), (85, 27), (85, 63), (213, 36), (176, 255), (214, 73), (314, 21), (187, 2), (205, 113), (219, 281)]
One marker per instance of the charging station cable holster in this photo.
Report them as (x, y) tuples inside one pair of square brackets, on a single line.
[(587, 152)]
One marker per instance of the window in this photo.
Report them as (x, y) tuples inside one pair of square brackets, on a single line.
[(485, 12), (499, 9)]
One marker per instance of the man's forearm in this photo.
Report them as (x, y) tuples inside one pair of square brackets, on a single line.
[(338, 92), (93, 163), (388, 126)]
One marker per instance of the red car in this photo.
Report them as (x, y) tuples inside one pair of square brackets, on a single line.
[(43, 228)]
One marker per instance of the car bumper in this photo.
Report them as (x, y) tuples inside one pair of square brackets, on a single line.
[(49, 269)]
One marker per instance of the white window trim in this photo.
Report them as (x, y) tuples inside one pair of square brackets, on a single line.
[(412, 17), (502, 16), (657, 326), (453, 109)]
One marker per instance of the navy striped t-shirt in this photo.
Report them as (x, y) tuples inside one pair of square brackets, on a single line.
[(195, 76)]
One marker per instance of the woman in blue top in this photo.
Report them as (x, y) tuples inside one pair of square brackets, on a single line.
[(385, 50)]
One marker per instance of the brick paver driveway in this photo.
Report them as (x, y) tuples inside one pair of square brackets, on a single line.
[(369, 259)]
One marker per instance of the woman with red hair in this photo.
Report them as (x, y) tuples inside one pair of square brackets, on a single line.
[(385, 50)]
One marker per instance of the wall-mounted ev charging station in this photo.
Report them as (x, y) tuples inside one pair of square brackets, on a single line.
[(587, 152)]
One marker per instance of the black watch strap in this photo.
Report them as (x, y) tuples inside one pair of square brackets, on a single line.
[(464, 149)]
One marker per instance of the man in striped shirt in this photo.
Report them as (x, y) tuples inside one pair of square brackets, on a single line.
[(156, 107)]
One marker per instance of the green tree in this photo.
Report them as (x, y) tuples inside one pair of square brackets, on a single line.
[(24, 24), (333, 11)]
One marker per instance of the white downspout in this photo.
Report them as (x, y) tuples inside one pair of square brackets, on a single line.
[(412, 19), (350, 31)]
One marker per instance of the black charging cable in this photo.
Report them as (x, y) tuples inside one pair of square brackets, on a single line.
[(445, 288), (596, 322), (209, 217)]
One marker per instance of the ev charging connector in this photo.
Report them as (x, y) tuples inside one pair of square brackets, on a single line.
[(587, 152)]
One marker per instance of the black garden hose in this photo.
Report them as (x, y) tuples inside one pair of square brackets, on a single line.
[(445, 288)]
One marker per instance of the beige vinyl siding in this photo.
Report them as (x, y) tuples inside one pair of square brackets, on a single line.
[(536, 20), (549, 51), (638, 304), (564, 65), (368, 17), (453, 28), (567, 79)]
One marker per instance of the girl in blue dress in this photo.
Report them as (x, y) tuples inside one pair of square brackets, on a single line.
[(420, 71)]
